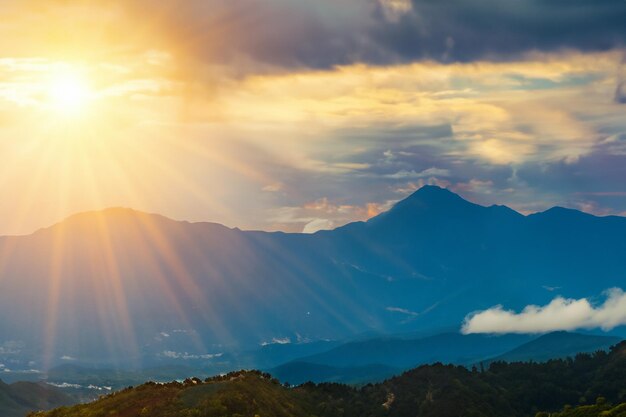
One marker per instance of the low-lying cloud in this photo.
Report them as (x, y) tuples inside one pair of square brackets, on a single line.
[(560, 314)]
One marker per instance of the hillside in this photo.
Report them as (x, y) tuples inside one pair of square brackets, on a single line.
[(21, 397), (518, 389), (602, 408), (129, 289)]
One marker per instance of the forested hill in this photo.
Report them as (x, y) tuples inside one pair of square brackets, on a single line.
[(515, 389)]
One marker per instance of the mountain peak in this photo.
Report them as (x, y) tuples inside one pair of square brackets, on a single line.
[(428, 202), (433, 191), (432, 196)]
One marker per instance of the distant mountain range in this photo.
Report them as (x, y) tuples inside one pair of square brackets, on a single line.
[(557, 345), (122, 288), (377, 359)]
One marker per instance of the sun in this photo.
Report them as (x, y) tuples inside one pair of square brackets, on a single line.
[(69, 92)]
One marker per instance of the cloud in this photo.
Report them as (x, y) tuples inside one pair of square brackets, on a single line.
[(559, 314), (278, 341), (476, 29), (395, 9), (328, 33), (188, 356), (318, 224), (67, 358), (276, 34), (427, 173), (402, 311), (323, 214), (620, 93), (620, 90)]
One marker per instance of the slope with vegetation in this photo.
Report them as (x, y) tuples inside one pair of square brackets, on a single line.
[(592, 381)]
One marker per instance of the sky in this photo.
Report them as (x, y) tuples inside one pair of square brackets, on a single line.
[(298, 116)]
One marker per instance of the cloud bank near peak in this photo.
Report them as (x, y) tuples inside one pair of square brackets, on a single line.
[(560, 314)]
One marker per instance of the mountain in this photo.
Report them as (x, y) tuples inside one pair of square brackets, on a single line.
[(515, 390), (379, 358), (558, 345), (21, 397), (407, 353), (275, 354), (123, 288)]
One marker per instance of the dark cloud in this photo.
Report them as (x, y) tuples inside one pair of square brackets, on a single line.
[(323, 34), (596, 179), (465, 30)]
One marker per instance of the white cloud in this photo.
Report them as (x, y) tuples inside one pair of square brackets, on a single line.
[(67, 358), (402, 310), (317, 225), (278, 341), (187, 356), (427, 173), (560, 314), (64, 385)]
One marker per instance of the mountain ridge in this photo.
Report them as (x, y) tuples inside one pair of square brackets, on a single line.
[(409, 201), (147, 290)]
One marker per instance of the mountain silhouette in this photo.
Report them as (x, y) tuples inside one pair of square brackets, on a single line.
[(122, 286)]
